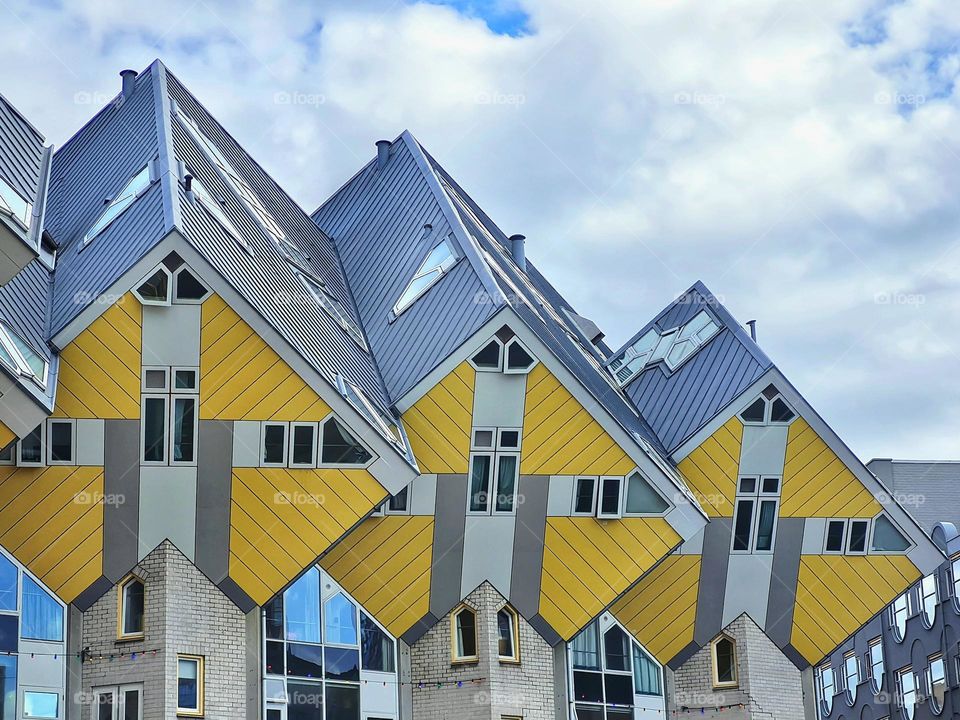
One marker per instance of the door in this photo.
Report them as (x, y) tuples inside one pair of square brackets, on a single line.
[(123, 702)]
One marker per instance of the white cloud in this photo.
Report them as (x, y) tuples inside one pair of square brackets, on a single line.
[(640, 146)]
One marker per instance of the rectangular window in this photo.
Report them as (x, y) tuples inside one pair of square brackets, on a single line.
[(183, 430), (857, 539), (494, 471), (154, 429), (755, 514), (189, 685), (507, 468), (907, 689), (169, 417), (955, 574), (481, 470), (876, 664), (836, 531), (61, 440), (31, 448), (8, 456), (851, 673), (742, 524), (936, 682), (611, 497), (766, 525), (303, 444), (399, 504), (584, 495), (273, 444), (41, 704)]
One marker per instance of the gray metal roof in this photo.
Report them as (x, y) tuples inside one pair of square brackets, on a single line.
[(930, 491), (21, 151), (378, 222), (678, 403)]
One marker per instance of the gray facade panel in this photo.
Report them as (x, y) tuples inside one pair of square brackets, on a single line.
[(783, 582), (21, 151), (214, 474), (121, 486), (528, 544), (713, 580), (448, 531)]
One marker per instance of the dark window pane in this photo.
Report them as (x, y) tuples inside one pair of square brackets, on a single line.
[(104, 706), (489, 356), (31, 447), (184, 380), (155, 379), (131, 705), (765, 524), (304, 701), (589, 713), (376, 646), (741, 525), (343, 702), (505, 634), (132, 607), (342, 664), (506, 482), (585, 648), (780, 412), (518, 358), (858, 535), (154, 429), (748, 485), (273, 714), (510, 439), (184, 412), (273, 441), (274, 618), (619, 689), (188, 684), (616, 649), (8, 687), (155, 287), (770, 485), (304, 660), (61, 442), (398, 502), (726, 662), (274, 658), (587, 686), (466, 633), (480, 482), (8, 633), (188, 287), (835, 536), (584, 503), (303, 444), (339, 447), (610, 496), (755, 412)]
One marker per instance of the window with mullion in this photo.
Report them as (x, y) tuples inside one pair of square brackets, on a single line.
[(755, 514)]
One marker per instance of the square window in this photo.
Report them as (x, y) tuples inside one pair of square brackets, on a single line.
[(155, 379), (748, 485), (509, 439), (770, 486), (483, 439), (184, 379)]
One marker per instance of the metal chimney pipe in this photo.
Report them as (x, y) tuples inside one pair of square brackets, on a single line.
[(383, 153), (752, 324), (518, 250), (128, 79)]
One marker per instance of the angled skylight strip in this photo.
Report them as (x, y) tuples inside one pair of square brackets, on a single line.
[(335, 310), (387, 426), (21, 358), (14, 205), (243, 190), (213, 206), (673, 347), (436, 264), (124, 199)]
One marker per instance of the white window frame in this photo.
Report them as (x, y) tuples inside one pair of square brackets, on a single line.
[(12, 448), (166, 381), (901, 694), (501, 359), (263, 440), (825, 699), (455, 657), (494, 452), (898, 634), (929, 620), (955, 576), (618, 513), (496, 483), (505, 361), (176, 281), (23, 368), (321, 465), (848, 535), (935, 707), (851, 689), (24, 689), (316, 444), (172, 380), (513, 659), (593, 503), (121, 605), (758, 496), (184, 395), (876, 682), (626, 495), (165, 396), (873, 528), (442, 269), (73, 441), (89, 236), (335, 310), (150, 301), (843, 538), (43, 450), (387, 510), (119, 695)]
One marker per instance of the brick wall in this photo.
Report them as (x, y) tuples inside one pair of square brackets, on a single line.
[(185, 613), (769, 684), (524, 690)]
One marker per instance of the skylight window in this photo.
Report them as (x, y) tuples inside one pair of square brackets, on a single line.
[(124, 199), (215, 208), (387, 426), (17, 354), (673, 347), (12, 204), (440, 259), (244, 191), (335, 310)]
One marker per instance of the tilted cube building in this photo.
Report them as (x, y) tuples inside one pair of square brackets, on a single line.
[(370, 464)]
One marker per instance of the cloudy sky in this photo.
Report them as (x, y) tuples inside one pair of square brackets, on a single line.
[(802, 159)]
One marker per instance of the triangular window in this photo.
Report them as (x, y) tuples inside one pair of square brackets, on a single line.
[(642, 498), (440, 259), (340, 448), (886, 536), (124, 199), (155, 289)]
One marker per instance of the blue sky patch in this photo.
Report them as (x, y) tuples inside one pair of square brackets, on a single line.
[(503, 17)]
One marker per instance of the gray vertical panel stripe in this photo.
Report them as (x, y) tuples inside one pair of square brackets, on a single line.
[(528, 544), (214, 475), (783, 583), (713, 580), (448, 532), (121, 485)]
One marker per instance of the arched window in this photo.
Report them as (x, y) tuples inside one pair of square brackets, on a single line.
[(723, 652), (130, 608), (463, 635), (508, 635)]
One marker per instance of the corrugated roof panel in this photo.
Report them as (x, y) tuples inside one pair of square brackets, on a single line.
[(21, 151), (377, 223)]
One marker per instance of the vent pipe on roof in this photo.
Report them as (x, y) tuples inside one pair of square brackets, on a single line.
[(383, 153), (128, 79), (188, 187), (518, 251), (752, 324)]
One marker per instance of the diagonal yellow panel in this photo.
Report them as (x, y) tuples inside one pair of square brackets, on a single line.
[(283, 520), (660, 610), (385, 564), (99, 375), (711, 469), (831, 602), (243, 378), (560, 437), (7, 435), (587, 563), (816, 483), (439, 424)]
